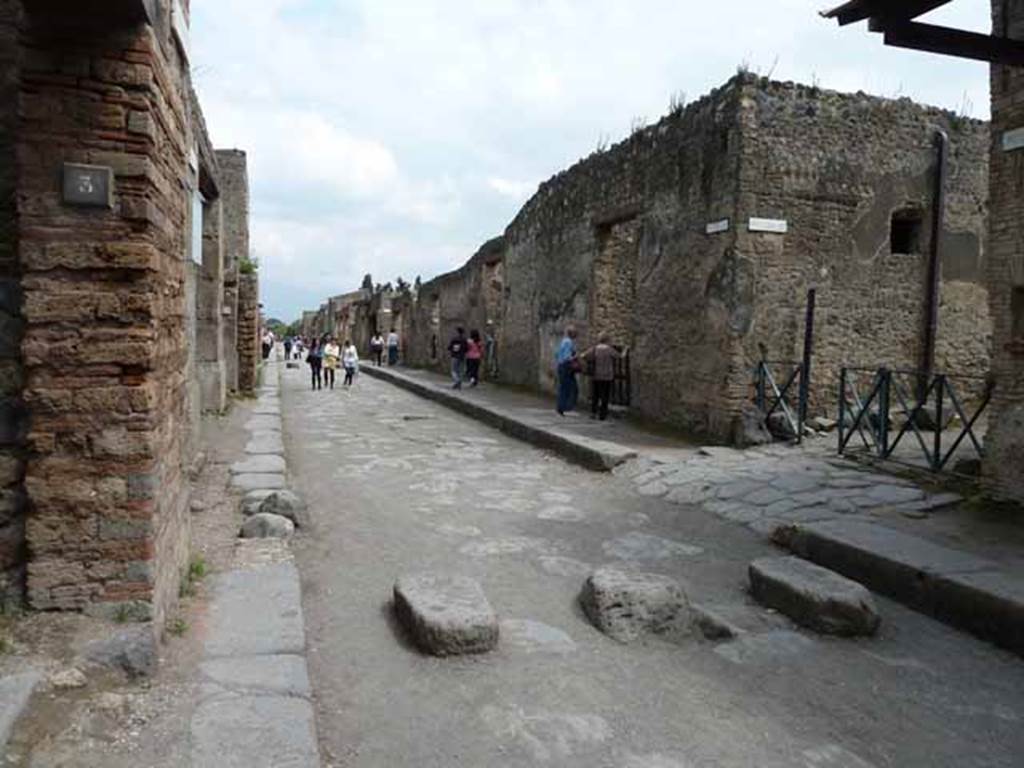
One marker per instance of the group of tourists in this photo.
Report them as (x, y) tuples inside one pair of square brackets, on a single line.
[(324, 356), (378, 344), (466, 354), (598, 361)]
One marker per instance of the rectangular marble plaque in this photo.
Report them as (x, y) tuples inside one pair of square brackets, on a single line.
[(88, 185), (778, 226), (714, 227)]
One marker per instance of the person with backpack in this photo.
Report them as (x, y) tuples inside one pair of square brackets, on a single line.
[(377, 349), (601, 360), (457, 350), (315, 359)]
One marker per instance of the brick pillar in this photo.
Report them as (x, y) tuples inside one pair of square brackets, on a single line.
[(234, 190), (249, 348), (104, 348), (1004, 465)]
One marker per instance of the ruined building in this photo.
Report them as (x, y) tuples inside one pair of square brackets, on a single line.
[(125, 307), (695, 240)]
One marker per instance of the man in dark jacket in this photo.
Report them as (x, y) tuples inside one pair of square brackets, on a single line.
[(457, 350)]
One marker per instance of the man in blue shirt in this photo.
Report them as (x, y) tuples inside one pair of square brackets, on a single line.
[(568, 366)]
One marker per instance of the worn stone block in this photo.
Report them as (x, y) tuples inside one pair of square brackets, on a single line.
[(627, 605), (813, 596), (446, 615)]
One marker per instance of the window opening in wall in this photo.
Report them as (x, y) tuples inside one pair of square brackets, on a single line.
[(905, 231), (1017, 313)]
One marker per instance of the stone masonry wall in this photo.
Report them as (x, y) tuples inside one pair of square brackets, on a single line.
[(105, 345), (233, 177), (1004, 464), (836, 167), (249, 348), (12, 421)]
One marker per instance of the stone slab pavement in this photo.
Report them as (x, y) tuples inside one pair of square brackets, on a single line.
[(15, 692), (777, 487), (397, 484)]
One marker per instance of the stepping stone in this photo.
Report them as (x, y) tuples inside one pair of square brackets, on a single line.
[(254, 482), (285, 504), (814, 597), (626, 606), (264, 526), (263, 464), (446, 615)]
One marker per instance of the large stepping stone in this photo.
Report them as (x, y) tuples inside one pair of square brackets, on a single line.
[(286, 504), (262, 464), (626, 605), (814, 597), (446, 615)]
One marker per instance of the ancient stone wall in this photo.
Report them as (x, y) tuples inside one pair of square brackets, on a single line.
[(233, 179), (618, 243), (838, 168), (249, 346), (105, 348), (1004, 463), (12, 413)]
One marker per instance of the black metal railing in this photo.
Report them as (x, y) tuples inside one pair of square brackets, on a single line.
[(880, 407), (789, 400), (622, 387)]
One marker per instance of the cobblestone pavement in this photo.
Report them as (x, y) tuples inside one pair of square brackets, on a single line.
[(399, 485)]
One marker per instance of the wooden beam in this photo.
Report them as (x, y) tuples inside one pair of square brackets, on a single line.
[(858, 10), (954, 42)]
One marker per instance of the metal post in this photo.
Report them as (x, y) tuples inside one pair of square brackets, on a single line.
[(931, 320), (940, 393), (885, 378), (805, 371), (842, 407)]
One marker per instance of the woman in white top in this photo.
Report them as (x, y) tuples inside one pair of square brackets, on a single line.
[(349, 361)]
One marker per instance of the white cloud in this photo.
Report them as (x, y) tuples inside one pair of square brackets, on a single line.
[(517, 190)]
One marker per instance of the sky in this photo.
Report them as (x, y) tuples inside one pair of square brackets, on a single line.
[(394, 137)]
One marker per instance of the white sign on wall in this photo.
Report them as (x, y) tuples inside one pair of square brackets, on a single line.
[(777, 226), (714, 227), (1013, 140)]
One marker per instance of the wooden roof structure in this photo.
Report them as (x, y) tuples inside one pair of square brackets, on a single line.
[(896, 21)]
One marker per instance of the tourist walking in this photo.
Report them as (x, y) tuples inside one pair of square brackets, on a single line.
[(393, 347), (474, 354), (567, 364), (288, 348), (332, 353), (350, 362), (268, 344), (315, 358), (601, 358), (457, 350), (377, 349)]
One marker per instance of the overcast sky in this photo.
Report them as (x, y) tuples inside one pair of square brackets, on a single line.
[(396, 136)]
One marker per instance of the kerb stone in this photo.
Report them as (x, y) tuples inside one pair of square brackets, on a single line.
[(446, 615), (814, 597)]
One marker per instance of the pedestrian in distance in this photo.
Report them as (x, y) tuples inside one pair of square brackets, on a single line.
[(457, 351), (288, 348), (350, 362), (567, 366), (268, 344), (393, 347), (315, 359), (332, 354), (474, 356), (601, 358), (377, 349)]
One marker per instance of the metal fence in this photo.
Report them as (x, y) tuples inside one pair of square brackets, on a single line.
[(789, 400), (880, 408)]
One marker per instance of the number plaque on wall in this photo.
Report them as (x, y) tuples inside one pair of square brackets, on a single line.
[(88, 185)]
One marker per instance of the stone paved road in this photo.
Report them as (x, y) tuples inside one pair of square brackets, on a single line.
[(397, 485)]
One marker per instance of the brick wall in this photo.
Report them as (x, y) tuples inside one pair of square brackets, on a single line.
[(105, 347), (249, 347), (12, 417), (1004, 463)]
